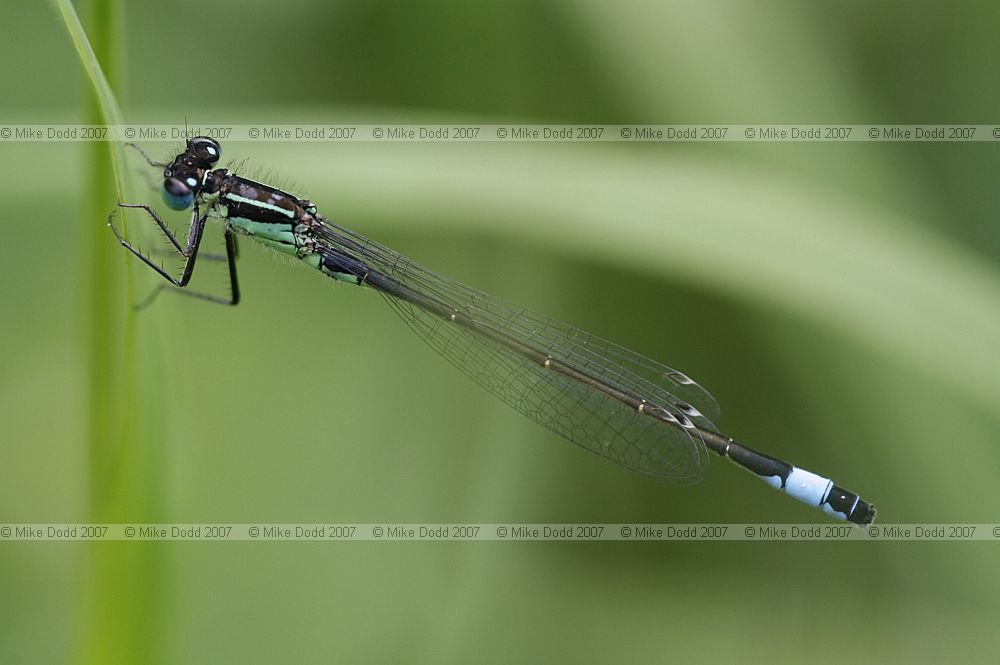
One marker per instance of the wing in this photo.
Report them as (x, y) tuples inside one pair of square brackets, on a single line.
[(589, 418)]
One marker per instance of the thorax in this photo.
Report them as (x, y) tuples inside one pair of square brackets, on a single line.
[(269, 215)]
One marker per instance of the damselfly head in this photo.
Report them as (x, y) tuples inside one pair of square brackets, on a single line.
[(183, 178)]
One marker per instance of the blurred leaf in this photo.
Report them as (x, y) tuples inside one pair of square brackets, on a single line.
[(772, 240)]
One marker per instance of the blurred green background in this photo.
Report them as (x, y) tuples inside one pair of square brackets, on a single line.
[(842, 302)]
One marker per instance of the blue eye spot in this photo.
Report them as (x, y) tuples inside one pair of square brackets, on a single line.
[(176, 194)]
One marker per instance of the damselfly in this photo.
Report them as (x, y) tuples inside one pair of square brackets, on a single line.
[(601, 396)]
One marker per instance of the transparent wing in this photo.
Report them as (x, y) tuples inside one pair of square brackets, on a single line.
[(587, 417)]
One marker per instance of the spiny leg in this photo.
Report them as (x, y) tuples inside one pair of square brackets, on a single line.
[(231, 255), (190, 252), (163, 227)]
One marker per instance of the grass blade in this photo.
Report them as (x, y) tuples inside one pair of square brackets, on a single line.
[(122, 609)]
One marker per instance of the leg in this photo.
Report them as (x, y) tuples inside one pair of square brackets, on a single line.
[(234, 283), (203, 256), (233, 253), (190, 252), (163, 227), (152, 162), (145, 175)]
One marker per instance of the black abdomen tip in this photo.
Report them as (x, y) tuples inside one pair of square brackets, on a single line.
[(849, 506), (863, 513)]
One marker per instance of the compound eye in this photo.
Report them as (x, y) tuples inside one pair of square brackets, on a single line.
[(204, 149), (176, 194)]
